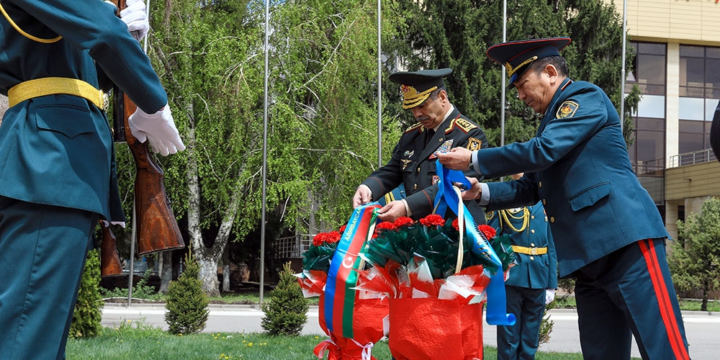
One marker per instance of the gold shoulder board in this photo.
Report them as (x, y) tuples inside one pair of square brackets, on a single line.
[(413, 127), (465, 125)]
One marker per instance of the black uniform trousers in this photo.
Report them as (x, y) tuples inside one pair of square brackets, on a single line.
[(630, 292)]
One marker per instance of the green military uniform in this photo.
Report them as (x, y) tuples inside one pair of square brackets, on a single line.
[(535, 271), (608, 232), (57, 174), (413, 163)]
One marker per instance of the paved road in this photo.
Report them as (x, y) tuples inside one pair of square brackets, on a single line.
[(703, 329)]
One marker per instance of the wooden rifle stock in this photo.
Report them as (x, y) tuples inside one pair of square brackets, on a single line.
[(109, 260), (156, 227)]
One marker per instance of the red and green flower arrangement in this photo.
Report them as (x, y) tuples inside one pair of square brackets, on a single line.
[(414, 265)]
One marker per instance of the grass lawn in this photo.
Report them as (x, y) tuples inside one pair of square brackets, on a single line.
[(139, 341)]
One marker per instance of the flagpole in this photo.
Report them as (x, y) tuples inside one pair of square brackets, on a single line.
[(264, 164), (133, 236), (622, 72), (502, 97), (503, 84), (379, 89)]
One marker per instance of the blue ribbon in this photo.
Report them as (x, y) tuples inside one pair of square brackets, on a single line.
[(447, 197)]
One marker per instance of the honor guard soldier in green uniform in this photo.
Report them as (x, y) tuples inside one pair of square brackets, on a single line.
[(439, 127), (532, 281), (608, 232), (57, 160)]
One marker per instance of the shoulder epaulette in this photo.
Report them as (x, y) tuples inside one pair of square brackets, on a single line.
[(489, 215), (451, 126), (413, 127), (465, 125)]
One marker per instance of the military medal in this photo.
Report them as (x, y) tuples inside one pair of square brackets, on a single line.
[(445, 147), (405, 163)]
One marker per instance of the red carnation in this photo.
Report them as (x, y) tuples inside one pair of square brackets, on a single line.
[(455, 224), (319, 239), (432, 220), (487, 230), (402, 221), (333, 237), (385, 225), (342, 229)]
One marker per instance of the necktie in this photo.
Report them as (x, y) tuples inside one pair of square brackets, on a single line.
[(430, 134)]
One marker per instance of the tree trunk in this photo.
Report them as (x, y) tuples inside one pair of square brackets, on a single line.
[(166, 270), (207, 258), (226, 271), (706, 289)]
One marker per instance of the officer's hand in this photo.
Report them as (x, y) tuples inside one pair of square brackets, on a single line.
[(392, 211), (549, 295), (363, 195), (474, 191), (135, 17), (457, 159), (158, 128)]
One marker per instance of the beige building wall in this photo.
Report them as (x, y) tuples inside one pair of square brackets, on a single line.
[(692, 181), (684, 21)]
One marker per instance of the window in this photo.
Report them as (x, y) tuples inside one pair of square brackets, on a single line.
[(649, 72), (647, 153), (699, 94)]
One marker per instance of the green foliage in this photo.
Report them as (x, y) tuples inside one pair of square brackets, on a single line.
[(135, 330), (565, 301), (87, 315), (695, 259), (286, 311), (546, 324), (456, 34), (141, 290), (187, 304)]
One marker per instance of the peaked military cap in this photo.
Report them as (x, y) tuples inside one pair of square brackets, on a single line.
[(416, 86), (517, 56)]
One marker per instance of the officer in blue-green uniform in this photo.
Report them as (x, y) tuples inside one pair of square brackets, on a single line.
[(57, 174), (608, 232), (715, 133), (532, 281), (440, 127), (397, 193)]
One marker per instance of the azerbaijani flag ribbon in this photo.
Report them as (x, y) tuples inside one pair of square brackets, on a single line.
[(339, 297), (446, 197)]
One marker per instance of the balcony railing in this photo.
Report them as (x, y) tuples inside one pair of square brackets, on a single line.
[(690, 158), (292, 246)]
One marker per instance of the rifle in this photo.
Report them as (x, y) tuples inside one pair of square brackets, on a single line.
[(156, 227), (109, 260)]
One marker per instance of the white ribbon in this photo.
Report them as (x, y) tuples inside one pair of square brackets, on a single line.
[(366, 350)]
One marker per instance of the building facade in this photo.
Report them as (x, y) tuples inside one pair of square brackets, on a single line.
[(677, 68)]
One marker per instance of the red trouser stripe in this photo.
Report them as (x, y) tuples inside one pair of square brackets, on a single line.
[(666, 311)]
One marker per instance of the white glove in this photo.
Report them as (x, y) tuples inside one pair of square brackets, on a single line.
[(158, 128), (135, 17), (549, 295)]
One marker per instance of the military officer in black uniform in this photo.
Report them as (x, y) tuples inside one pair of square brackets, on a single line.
[(440, 127)]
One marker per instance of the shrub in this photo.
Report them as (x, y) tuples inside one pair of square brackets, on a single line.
[(286, 309), (546, 325), (141, 290), (87, 315), (186, 302)]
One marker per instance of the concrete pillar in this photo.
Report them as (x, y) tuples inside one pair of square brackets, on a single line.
[(671, 217)]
